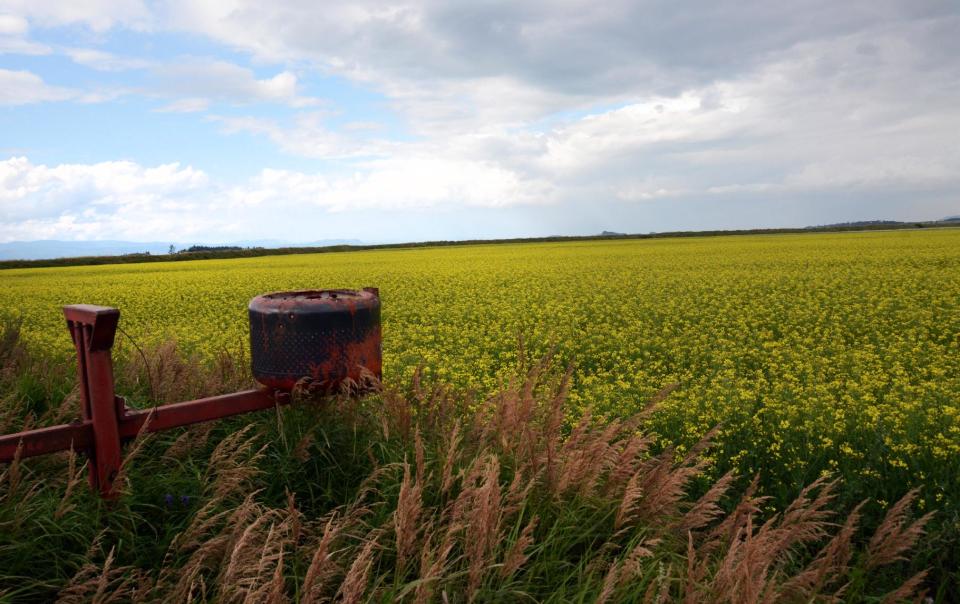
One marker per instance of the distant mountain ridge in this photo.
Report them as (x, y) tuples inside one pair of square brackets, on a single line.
[(24, 254), (54, 248), (881, 223)]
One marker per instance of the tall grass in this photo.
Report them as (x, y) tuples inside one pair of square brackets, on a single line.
[(417, 494)]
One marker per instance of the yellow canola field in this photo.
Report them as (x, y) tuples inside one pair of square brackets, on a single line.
[(815, 353)]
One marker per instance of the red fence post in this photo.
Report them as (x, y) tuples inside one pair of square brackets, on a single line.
[(107, 422), (92, 329)]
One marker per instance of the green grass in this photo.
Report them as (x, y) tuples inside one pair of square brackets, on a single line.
[(419, 494), (813, 355)]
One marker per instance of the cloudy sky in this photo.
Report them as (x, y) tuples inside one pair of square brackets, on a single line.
[(301, 120)]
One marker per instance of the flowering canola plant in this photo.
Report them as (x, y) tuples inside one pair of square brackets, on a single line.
[(813, 353)]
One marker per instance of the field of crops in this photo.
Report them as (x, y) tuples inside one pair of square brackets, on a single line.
[(813, 353)]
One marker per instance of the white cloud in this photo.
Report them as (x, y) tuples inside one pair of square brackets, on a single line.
[(628, 100), (902, 171), (227, 82), (646, 192), (20, 46), (126, 200), (104, 61), (514, 104), (450, 66), (362, 125), (769, 132), (14, 31), (89, 201), (23, 87), (98, 15), (31, 191), (188, 105), (400, 183), (307, 137), (13, 25)]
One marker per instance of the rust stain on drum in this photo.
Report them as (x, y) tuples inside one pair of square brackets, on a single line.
[(326, 335)]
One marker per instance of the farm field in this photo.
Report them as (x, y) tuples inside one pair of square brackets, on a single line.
[(828, 354)]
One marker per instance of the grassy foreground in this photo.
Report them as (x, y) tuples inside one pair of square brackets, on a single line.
[(822, 354), (418, 494)]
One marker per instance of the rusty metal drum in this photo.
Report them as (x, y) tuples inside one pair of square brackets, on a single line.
[(328, 336)]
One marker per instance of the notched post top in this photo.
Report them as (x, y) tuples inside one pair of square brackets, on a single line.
[(101, 319)]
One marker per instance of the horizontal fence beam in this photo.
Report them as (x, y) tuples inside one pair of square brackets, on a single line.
[(80, 437), (200, 410)]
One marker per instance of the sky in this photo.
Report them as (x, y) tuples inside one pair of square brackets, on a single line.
[(300, 120)]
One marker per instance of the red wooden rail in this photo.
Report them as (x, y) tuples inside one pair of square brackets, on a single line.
[(106, 421)]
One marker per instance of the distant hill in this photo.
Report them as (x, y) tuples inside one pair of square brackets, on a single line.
[(203, 252), (873, 224), (49, 248), (52, 248), (859, 224)]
